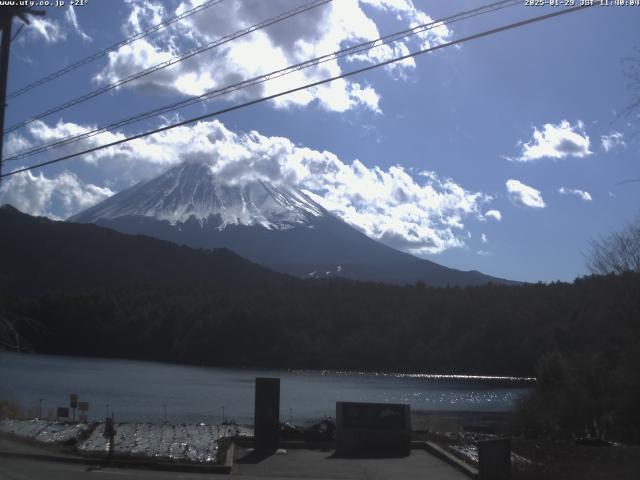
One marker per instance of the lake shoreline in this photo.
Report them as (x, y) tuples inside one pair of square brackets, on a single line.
[(322, 371), (156, 392)]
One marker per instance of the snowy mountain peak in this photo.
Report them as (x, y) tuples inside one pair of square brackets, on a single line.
[(192, 190), (274, 225)]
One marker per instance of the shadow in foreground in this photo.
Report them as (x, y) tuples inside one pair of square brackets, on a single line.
[(369, 455), (255, 456)]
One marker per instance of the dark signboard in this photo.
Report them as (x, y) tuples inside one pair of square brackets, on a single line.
[(83, 406), (73, 400), (267, 413), (373, 428), (63, 412), (373, 415), (494, 459)]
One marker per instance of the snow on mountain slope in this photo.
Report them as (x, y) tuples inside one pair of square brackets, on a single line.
[(191, 190), (275, 226)]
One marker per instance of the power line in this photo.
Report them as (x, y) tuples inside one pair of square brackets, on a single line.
[(624, 182), (266, 77), (269, 76), (304, 87), (15, 35), (172, 61), (115, 46)]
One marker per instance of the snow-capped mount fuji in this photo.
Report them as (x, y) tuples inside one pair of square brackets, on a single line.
[(275, 226), (191, 191)]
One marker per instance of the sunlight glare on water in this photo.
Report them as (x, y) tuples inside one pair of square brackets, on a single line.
[(139, 391)]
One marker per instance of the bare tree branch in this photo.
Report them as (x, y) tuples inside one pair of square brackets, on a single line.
[(631, 71), (617, 253)]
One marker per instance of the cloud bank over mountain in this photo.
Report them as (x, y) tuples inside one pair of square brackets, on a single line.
[(421, 215)]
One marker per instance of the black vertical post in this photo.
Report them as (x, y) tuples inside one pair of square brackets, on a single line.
[(267, 413), (6, 19), (4, 71), (110, 432)]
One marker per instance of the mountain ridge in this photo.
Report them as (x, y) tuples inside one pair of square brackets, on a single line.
[(41, 254), (275, 226)]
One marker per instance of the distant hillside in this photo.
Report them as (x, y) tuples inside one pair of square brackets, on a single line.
[(273, 225), (41, 254)]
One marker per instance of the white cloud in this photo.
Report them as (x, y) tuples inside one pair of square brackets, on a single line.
[(421, 216), (123, 165), (52, 30), (494, 214), (366, 96), (586, 196), (144, 14), (16, 143), (611, 141), (45, 29), (392, 206), (524, 195), (319, 31), (483, 252), (555, 141), (484, 239), (72, 19), (39, 195)]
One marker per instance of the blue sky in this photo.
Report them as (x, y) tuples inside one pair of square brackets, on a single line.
[(502, 155)]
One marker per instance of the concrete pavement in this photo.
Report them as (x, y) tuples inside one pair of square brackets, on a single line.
[(21, 469), (295, 463), (317, 464)]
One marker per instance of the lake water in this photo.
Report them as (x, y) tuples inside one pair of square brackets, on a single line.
[(139, 391)]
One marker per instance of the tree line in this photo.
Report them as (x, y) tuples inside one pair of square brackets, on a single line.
[(493, 329)]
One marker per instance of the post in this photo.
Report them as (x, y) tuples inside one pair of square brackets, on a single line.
[(110, 433), (4, 71), (112, 437), (267, 413), (73, 403), (6, 18)]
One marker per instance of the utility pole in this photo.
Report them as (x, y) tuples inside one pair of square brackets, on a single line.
[(4, 66), (6, 19)]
